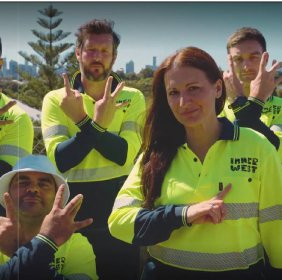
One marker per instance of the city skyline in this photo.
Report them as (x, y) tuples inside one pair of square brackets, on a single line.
[(147, 29)]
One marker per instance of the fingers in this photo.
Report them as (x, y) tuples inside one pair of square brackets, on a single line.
[(230, 64), (10, 208), (108, 87), (58, 202), (118, 89), (263, 62), (221, 195), (67, 84), (73, 204), (6, 107), (82, 224)]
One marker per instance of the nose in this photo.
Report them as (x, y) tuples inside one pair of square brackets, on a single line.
[(246, 63), (185, 99), (97, 55), (32, 188)]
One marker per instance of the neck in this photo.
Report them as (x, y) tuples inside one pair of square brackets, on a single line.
[(200, 139), (30, 227), (95, 89)]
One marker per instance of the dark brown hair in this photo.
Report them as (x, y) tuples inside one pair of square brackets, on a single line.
[(163, 134), (244, 34), (97, 26)]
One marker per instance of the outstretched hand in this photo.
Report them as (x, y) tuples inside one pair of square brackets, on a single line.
[(265, 82), (105, 108), (210, 211), (59, 224), (72, 102)]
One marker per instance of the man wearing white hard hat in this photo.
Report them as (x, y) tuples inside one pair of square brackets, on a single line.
[(32, 187)]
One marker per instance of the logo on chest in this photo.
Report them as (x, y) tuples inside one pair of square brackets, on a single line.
[(245, 164)]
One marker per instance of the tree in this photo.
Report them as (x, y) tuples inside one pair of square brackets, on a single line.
[(146, 73), (48, 49)]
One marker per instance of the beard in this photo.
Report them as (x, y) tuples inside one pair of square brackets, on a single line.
[(97, 75)]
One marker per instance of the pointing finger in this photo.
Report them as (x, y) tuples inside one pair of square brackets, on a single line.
[(221, 195)]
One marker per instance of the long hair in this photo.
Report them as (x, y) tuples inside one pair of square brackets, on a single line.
[(163, 134)]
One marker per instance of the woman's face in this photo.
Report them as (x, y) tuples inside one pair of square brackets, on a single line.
[(191, 96)]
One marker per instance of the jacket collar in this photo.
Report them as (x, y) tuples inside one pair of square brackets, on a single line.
[(77, 84), (230, 131)]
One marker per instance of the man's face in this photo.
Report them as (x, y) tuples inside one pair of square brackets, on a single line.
[(246, 59), (33, 193), (96, 56)]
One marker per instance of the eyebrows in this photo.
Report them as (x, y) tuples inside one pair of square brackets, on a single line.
[(44, 178)]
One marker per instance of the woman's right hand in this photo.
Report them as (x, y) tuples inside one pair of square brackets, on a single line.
[(209, 211)]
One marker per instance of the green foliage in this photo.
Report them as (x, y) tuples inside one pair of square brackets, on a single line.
[(144, 85), (146, 73), (48, 59)]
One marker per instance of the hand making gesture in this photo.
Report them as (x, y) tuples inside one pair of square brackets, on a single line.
[(233, 85), (105, 108), (59, 224), (210, 211), (72, 102), (265, 82)]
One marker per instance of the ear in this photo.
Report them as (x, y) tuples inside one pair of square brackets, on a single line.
[(218, 88), (77, 53)]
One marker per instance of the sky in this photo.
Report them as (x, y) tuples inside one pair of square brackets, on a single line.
[(146, 28)]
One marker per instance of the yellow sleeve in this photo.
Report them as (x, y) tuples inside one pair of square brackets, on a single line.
[(54, 123), (126, 207), (17, 138), (270, 212)]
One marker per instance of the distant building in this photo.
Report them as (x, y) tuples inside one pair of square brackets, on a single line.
[(15, 67), (129, 67), (154, 65)]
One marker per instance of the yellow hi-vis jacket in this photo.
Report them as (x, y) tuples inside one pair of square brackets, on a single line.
[(127, 123), (16, 139), (244, 158), (271, 115)]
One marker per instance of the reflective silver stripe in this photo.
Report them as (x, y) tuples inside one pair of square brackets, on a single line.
[(96, 174), (55, 130), (130, 126), (207, 261), (270, 214), (11, 150), (126, 201), (237, 211)]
